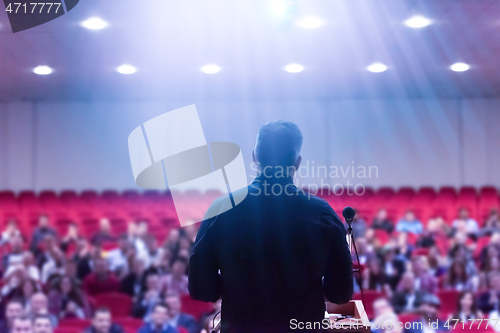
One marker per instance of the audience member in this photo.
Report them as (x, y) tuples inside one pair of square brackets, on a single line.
[(358, 226), (102, 323), (409, 223), (38, 305), (492, 224), (177, 318), (104, 234), (428, 322), (386, 320), (27, 267), (22, 324), (15, 256), (177, 281), (458, 279), (159, 321), (118, 258), (147, 300), (466, 307), (67, 301), (42, 324), (423, 279), (40, 232), (71, 237), (54, 265), (470, 225), (382, 221), (152, 254), (13, 309), (132, 284), (10, 232), (489, 301), (407, 298), (101, 280)]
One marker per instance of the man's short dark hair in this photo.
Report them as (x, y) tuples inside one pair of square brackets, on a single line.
[(278, 143), (16, 300), (181, 259), (23, 317)]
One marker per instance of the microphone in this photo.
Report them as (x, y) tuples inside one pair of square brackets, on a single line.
[(348, 214)]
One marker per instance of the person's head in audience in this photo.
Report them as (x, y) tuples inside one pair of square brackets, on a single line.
[(73, 231), (123, 243), (494, 282), (101, 268), (42, 324), (138, 266), (39, 303), (132, 229), (43, 221), (382, 214), (81, 245), (388, 252), (101, 321), (153, 282), (492, 264), (420, 265), (70, 269), (429, 308), (13, 309), (104, 226), (49, 242), (173, 237), (142, 228), (185, 243), (151, 243), (362, 246), (28, 288), (463, 214), (495, 238), (191, 230), (160, 314), (16, 244), (457, 272), (67, 288), (174, 304), (407, 282), (466, 303), (409, 216), (179, 267), (382, 306), (22, 324), (28, 259), (11, 228), (374, 266)]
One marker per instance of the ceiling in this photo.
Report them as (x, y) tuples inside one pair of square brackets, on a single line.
[(169, 40)]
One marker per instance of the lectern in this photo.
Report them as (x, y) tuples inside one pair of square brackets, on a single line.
[(356, 321)]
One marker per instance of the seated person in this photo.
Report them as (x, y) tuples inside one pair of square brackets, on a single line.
[(177, 281), (42, 324), (39, 306), (15, 255), (10, 232), (118, 258), (13, 309), (429, 322), (407, 298), (177, 318), (466, 307), (67, 300), (101, 280), (159, 321), (22, 324), (470, 225), (424, 280), (385, 317), (409, 223), (146, 301), (381, 221), (104, 234), (102, 323), (71, 237), (133, 282), (489, 300), (40, 232)]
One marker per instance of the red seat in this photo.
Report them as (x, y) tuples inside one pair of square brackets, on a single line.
[(63, 329), (130, 324), (79, 324), (408, 317), (195, 308), (449, 299), (119, 304)]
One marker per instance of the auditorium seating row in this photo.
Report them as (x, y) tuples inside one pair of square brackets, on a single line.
[(157, 207)]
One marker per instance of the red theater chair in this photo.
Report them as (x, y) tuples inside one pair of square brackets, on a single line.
[(120, 305), (408, 317), (63, 329), (129, 324), (370, 297), (449, 299), (79, 324)]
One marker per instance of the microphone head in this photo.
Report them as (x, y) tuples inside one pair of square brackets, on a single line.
[(348, 213)]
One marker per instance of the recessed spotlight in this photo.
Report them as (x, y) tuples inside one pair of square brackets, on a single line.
[(94, 23), (126, 69), (418, 21), (279, 7), (310, 22), (210, 69), (294, 68), (377, 67), (42, 70), (459, 67)]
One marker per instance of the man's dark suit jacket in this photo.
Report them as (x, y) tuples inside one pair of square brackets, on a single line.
[(278, 256)]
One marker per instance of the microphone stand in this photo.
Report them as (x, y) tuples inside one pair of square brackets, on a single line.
[(351, 244)]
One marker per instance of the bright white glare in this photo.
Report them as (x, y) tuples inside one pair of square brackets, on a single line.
[(126, 69), (377, 67), (94, 23), (42, 70), (310, 22), (294, 68), (279, 7), (418, 21), (459, 67), (210, 69)]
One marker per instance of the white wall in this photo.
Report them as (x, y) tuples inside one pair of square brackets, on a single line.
[(412, 142)]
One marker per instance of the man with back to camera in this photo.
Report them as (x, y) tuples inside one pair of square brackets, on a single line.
[(280, 252)]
